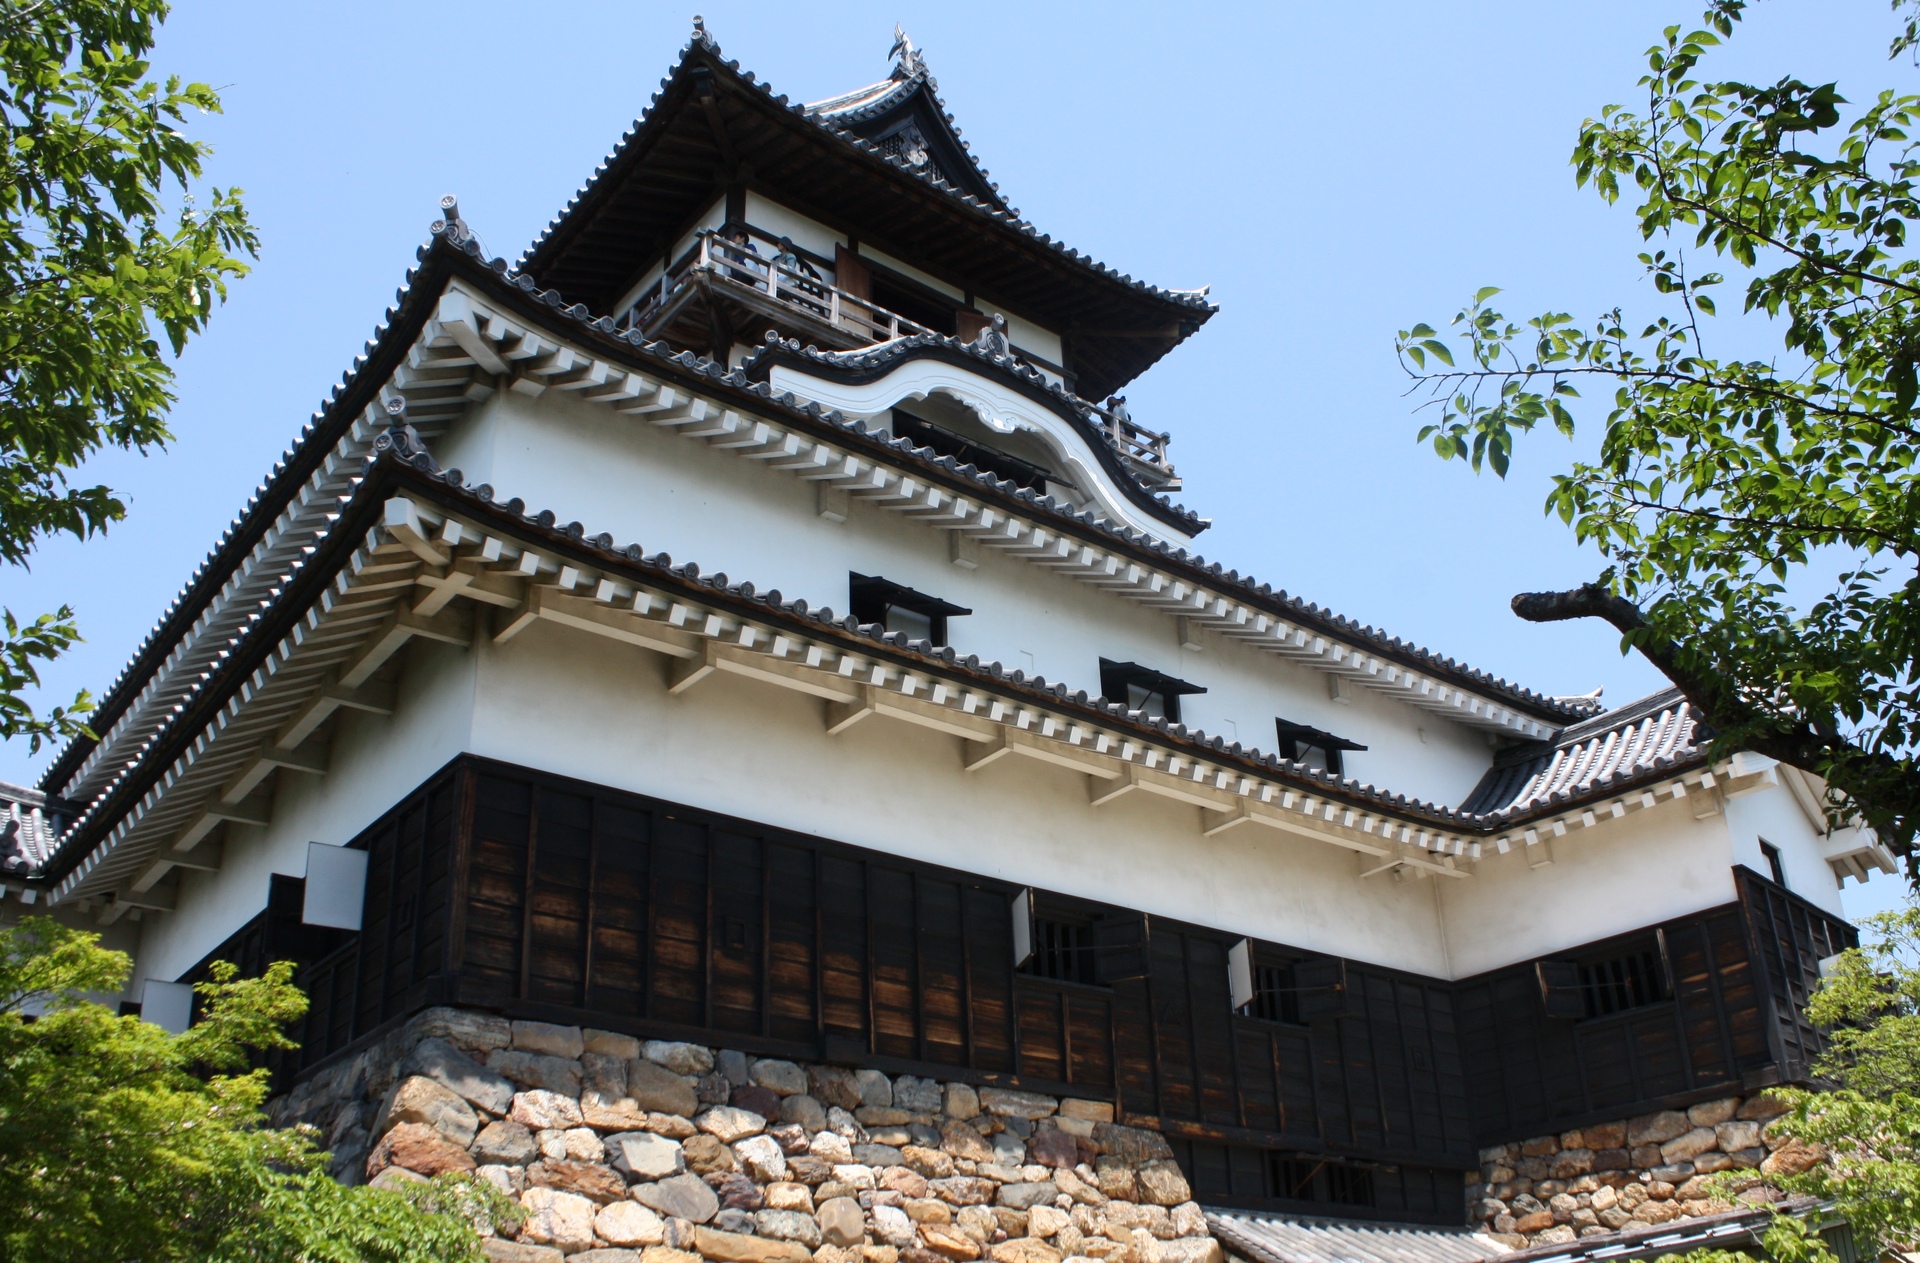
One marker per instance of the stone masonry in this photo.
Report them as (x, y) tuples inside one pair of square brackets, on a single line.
[(1628, 1175), (624, 1151)]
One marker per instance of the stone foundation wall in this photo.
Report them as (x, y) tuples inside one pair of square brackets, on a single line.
[(622, 1150), (1628, 1175)]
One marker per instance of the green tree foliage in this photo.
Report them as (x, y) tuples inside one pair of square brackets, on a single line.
[(1868, 1123), (1722, 481), (97, 268), (121, 1141)]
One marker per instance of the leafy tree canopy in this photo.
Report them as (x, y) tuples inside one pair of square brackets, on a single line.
[(1721, 482), (96, 269), (121, 1141)]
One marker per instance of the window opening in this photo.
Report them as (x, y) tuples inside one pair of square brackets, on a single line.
[(1276, 994), (1318, 750), (1774, 865), (1315, 1180), (945, 442), (1062, 951), (1153, 693), (898, 608), (1604, 986)]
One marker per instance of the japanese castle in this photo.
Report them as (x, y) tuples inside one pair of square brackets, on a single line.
[(752, 622)]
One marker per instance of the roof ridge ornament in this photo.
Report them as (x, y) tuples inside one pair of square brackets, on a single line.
[(402, 439), (701, 35), (907, 61)]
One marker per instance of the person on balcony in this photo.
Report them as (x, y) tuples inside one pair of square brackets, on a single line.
[(793, 284), (1117, 410), (733, 255)]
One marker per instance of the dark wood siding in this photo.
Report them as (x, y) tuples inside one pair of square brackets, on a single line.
[(1739, 977), (548, 898)]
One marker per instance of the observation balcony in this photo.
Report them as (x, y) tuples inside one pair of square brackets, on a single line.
[(719, 292)]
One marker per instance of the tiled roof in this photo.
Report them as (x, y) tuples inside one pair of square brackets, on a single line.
[(1274, 1238), (30, 826), (703, 43), (878, 98), (1659, 732), (412, 306), (1267, 1238)]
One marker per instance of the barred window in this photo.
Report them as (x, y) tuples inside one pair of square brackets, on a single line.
[(1325, 1181), (1625, 982), (1062, 951)]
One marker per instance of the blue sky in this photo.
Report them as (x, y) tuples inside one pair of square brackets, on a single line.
[(1335, 172)]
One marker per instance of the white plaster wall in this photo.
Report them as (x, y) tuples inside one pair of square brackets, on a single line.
[(643, 484), (1772, 814), (778, 221), (736, 747), (1650, 866), (373, 763)]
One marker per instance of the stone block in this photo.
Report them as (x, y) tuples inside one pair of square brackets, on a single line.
[(1162, 1183), (903, 1180), (1761, 1109), (1046, 1221), (1605, 1136), (855, 1176), (1025, 1250), (1539, 1221), (787, 1195), (783, 1078), (1025, 1195), (1612, 1160), (762, 1158), (805, 1110), (628, 1223), (728, 1123), (931, 1163), (965, 1190), (706, 1155), (883, 1116), (948, 1242), (791, 1137), (737, 1247), (1689, 1145), (1009, 1103), (1130, 1144), (590, 1180), (418, 1099), (540, 1110), (1090, 1111), (615, 1113), (921, 1096), (606, 1254), (419, 1148), (466, 1028), (679, 1197), (652, 1087), (1114, 1177), (788, 1225), (755, 1100), (1569, 1163), (876, 1090), (1657, 1129), (1713, 1113), (830, 1146), (842, 1223), (499, 1250), (686, 1060), (537, 1070), (960, 1101), (1738, 1134), (641, 1155), (448, 1066), (609, 1044), (1645, 1156), (1669, 1175), (558, 1218), (545, 1037), (1192, 1250), (1793, 1158), (1540, 1147), (877, 1155), (834, 1086), (1051, 1147), (809, 1170), (505, 1142), (962, 1141), (892, 1227)]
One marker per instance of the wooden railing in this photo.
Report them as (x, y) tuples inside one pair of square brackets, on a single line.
[(808, 295), (812, 296)]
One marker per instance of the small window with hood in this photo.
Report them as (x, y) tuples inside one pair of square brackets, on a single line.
[(1318, 750), (1154, 694), (899, 608)]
